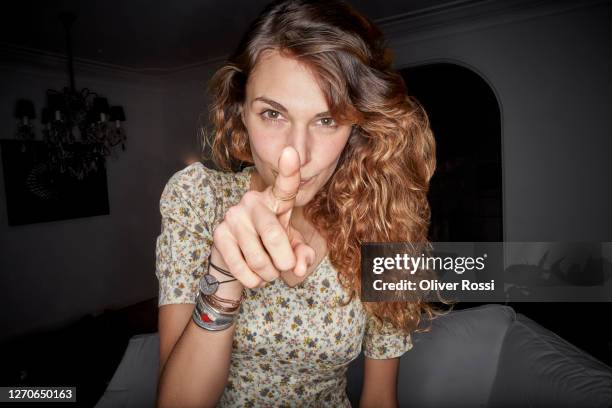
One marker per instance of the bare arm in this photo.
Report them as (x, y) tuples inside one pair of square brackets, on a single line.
[(379, 383), (194, 362), (255, 239), (172, 322)]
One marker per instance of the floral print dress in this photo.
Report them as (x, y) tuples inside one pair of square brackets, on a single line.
[(292, 346)]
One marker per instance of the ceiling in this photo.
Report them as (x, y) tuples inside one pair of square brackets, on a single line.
[(155, 34)]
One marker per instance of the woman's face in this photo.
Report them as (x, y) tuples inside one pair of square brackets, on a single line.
[(285, 106)]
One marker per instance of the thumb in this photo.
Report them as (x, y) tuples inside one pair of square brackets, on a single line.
[(286, 185)]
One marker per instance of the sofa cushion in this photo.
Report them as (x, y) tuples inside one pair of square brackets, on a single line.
[(455, 363), (537, 368), (135, 381)]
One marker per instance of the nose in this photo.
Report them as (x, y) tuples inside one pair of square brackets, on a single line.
[(299, 139)]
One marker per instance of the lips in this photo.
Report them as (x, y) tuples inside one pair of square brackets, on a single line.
[(302, 181)]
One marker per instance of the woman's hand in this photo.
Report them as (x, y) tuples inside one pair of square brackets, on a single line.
[(255, 240)]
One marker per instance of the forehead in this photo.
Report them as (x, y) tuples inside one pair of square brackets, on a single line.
[(285, 80)]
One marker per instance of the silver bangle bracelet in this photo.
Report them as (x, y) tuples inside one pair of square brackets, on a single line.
[(209, 326), (212, 313), (207, 318)]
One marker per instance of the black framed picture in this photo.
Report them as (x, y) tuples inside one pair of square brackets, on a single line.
[(36, 192)]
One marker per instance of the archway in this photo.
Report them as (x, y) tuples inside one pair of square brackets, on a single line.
[(466, 190)]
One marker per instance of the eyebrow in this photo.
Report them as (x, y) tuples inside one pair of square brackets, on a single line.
[(281, 108)]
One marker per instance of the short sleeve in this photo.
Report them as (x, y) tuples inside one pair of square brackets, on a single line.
[(188, 211), (384, 341)]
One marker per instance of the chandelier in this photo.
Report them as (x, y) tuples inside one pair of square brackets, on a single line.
[(79, 128)]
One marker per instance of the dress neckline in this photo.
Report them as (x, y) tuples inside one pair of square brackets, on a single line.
[(247, 176)]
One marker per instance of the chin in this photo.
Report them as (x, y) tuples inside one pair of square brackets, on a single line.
[(302, 198)]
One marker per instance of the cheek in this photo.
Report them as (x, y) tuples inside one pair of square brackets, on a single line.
[(331, 147), (265, 142)]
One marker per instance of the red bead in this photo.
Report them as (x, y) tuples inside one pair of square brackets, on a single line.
[(205, 317)]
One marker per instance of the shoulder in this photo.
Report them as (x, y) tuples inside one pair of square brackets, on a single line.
[(200, 188), (382, 340), (192, 179)]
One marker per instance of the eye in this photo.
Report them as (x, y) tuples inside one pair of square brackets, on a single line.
[(273, 117), (329, 122)]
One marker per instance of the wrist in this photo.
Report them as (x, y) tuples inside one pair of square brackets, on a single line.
[(230, 290)]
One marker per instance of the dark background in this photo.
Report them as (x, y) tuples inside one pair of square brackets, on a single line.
[(466, 193)]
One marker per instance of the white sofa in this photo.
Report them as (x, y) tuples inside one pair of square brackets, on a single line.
[(485, 356)]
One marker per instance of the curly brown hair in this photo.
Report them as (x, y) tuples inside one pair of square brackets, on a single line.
[(378, 192)]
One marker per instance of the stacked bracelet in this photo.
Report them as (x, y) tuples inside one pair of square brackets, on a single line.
[(210, 313), (208, 318), (217, 303)]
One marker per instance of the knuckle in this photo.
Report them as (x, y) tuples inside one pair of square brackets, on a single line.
[(274, 274), (219, 232), (230, 214), (274, 234), (234, 216), (252, 282), (246, 276), (249, 284), (250, 199), (257, 260)]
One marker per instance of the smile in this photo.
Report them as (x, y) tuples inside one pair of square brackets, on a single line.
[(302, 182)]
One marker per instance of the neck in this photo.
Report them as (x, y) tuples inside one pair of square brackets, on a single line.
[(297, 216)]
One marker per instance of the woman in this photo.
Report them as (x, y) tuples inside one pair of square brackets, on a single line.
[(340, 155)]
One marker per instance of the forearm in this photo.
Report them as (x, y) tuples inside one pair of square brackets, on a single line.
[(196, 372)]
